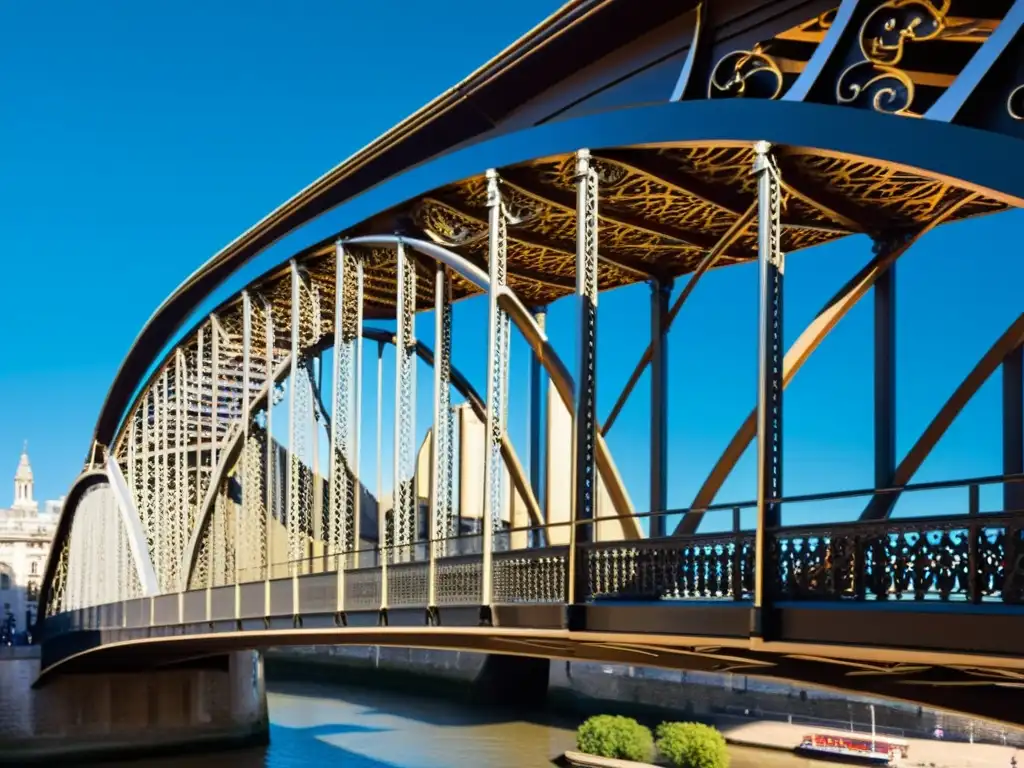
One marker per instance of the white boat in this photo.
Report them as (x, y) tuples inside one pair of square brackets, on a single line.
[(853, 748)]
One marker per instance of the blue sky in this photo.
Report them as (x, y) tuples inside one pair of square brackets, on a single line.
[(139, 138)]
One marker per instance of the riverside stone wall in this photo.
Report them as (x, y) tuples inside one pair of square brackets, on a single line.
[(714, 698)]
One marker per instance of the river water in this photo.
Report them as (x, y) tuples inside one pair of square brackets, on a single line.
[(331, 725)]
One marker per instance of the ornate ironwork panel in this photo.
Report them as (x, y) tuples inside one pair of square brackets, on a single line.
[(531, 576), (363, 589), (956, 559), (442, 512), (498, 349), (304, 332), (404, 492), (344, 495), (459, 580), (96, 566), (407, 585), (708, 566)]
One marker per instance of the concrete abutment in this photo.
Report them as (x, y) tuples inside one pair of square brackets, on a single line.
[(113, 715)]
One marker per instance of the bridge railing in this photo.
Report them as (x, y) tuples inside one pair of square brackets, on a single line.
[(974, 557)]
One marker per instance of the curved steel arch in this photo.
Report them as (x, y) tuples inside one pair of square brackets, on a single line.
[(129, 517), (234, 446), (924, 146), (880, 506)]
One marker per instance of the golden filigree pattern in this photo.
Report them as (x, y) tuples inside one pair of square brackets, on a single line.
[(899, 195), (797, 210), (825, 20), (447, 226), (716, 166), (1015, 103), (633, 195), (878, 81), (796, 238), (749, 74), (647, 198)]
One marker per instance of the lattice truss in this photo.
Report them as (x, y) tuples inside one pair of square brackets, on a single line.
[(344, 492), (173, 441), (443, 512), (498, 332), (404, 496), (95, 565)]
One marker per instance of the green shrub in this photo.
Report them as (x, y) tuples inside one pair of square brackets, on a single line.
[(692, 745), (614, 736)]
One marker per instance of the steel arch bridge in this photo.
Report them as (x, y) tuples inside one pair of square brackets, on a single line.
[(691, 136)]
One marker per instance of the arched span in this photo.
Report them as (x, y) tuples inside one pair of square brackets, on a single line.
[(926, 146), (880, 506), (234, 446), (944, 680), (129, 517), (534, 336)]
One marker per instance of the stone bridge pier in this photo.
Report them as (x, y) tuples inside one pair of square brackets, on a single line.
[(104, 715)]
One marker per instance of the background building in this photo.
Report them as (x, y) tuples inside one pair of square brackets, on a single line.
[(25, 537)]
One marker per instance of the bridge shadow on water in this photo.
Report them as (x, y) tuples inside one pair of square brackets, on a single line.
[(306, 746), (428, 701)]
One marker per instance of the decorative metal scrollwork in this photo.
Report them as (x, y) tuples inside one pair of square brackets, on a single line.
[(825, 20), (915, 560), (755, 75), (877, 80), (1015, 103), (446, 226)]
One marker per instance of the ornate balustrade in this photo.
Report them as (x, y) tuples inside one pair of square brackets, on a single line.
[(974, 559), (979, 558), (710, 566)]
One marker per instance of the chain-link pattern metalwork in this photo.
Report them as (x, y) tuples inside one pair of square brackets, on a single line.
[(458, 581), (407, 585), (97, 565), (147, 504), (585, 487), (162, 522), (442, 512), (530, 577), (304, 330), (343, 499), (498, 349), (200, 578), (180, 506), (300, 486), (706, 567), (404, 501)]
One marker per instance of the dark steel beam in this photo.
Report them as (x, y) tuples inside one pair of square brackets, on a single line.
[(538, 420), (769, 387), (660, 292), (584, 476), (885, 378), (1013, 428)]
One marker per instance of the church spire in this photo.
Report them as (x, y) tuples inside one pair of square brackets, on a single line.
[(23, 482)]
